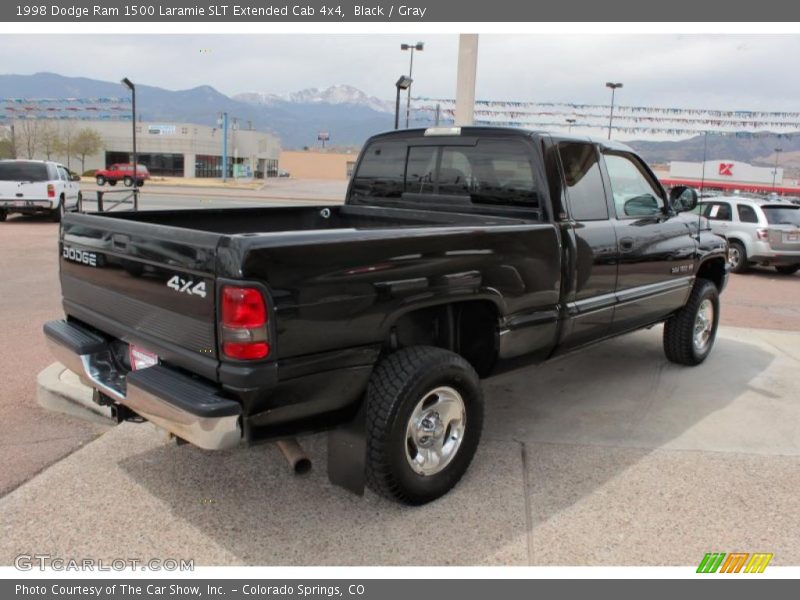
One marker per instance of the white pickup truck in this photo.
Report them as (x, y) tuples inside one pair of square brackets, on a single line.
[(37, 186)]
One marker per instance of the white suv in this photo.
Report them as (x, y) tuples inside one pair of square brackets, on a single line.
[(764, 232), (37, 186)]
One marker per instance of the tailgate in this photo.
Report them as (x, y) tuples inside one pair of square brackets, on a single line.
[(146, 284)]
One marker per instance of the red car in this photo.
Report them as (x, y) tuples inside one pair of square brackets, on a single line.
[(122, 172)]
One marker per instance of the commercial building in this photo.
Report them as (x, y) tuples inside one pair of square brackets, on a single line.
[(729, 175), (173, 149), (316, 164)]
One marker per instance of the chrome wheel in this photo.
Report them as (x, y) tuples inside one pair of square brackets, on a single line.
[(734, 257), (435, 431), (703, 325)]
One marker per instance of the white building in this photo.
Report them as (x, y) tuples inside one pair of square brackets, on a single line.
[(170, 149)]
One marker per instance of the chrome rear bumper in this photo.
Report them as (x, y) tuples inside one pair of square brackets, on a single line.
[(187, 408)]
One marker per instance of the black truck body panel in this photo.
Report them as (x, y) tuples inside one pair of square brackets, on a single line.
[(345, 284)]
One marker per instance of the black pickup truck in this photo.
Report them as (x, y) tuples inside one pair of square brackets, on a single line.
[(459, 253)]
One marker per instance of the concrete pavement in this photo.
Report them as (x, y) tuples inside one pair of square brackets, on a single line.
[(609, 456)]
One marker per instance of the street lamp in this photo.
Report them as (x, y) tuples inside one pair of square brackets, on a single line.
[(570, 123), (613, 87), (775, 170), (129, 84), (403, 83), (418, 46)]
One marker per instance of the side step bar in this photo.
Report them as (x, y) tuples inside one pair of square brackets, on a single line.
[(190, 409)]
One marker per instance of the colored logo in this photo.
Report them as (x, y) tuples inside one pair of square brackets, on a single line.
[(726, 169), (735, 562)]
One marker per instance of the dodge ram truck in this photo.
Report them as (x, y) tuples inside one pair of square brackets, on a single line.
[(458, 253)]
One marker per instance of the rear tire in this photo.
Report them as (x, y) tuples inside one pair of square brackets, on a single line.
[(690, 333), (424, 419), (140, 183), (788, 269), (58, 212), (128, 182), (737, 257), (3, 215), (100, 180)]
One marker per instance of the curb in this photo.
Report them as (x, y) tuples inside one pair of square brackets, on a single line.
[(60, 390)]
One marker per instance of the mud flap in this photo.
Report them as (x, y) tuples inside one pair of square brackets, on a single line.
[(347, 454)]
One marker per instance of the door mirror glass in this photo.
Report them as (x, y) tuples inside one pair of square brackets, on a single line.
[(74, 177), (683, 198), (641, 206)]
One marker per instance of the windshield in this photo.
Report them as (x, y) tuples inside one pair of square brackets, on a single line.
[(23, 171), (782, 215)]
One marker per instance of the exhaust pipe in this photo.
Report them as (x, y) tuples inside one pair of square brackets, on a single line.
[(295, 455)]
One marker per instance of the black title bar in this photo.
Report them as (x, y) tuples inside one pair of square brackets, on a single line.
[(416, 11)]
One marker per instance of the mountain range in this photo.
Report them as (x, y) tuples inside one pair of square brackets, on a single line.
[(347, 113)]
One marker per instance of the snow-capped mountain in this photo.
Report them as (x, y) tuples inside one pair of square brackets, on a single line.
[(336, 94)]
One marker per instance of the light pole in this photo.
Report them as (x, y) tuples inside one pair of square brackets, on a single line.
[(570, 123), (402, 84), (613, 87), (129, 84), (418, 46), (775, 170)]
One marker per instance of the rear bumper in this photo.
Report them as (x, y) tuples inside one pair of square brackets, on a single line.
[(776, 257), (28, 206), (184, 406)]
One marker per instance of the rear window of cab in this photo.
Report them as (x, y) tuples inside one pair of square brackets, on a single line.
[(494, 171)]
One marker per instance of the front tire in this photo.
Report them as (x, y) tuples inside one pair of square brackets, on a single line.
[(788, 269), (737, 257), (690, 333), (424, 419)]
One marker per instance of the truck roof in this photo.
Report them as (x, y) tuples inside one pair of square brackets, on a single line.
[(495, 132)]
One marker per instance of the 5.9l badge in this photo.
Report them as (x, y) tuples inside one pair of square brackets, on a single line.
[(187, 286)]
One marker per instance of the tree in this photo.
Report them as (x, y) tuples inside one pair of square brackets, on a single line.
[(86, 142), (7, 143), (27, 133), (49, 139), (66, 141)]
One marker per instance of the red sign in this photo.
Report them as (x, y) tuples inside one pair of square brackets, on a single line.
[(726, 169)]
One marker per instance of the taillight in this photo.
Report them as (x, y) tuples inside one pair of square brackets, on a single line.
[(244, 323), (762, 234), (51, 190)]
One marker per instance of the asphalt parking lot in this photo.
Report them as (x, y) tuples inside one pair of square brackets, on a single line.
[(635, 461)]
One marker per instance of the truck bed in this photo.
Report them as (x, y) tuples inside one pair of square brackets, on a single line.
[(305, 218)]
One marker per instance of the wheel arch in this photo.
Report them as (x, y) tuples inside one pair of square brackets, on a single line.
[(468, 327)]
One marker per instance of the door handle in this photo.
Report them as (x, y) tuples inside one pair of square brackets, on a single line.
[(626, 244)]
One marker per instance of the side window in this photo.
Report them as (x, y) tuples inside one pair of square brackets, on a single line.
[(62, 172), (381, 171), (634, 193), (585, 193), (421, 169), (718, 211), (747, 214)]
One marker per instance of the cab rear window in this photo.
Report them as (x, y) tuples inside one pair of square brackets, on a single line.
[(21, 171), (490, 172)]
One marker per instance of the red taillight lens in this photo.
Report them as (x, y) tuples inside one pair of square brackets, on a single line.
[(244, 323), (243, 307), (251, 351), (51, 190)]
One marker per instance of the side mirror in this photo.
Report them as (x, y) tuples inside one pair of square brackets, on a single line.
[(74, 177), (683, 198)]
